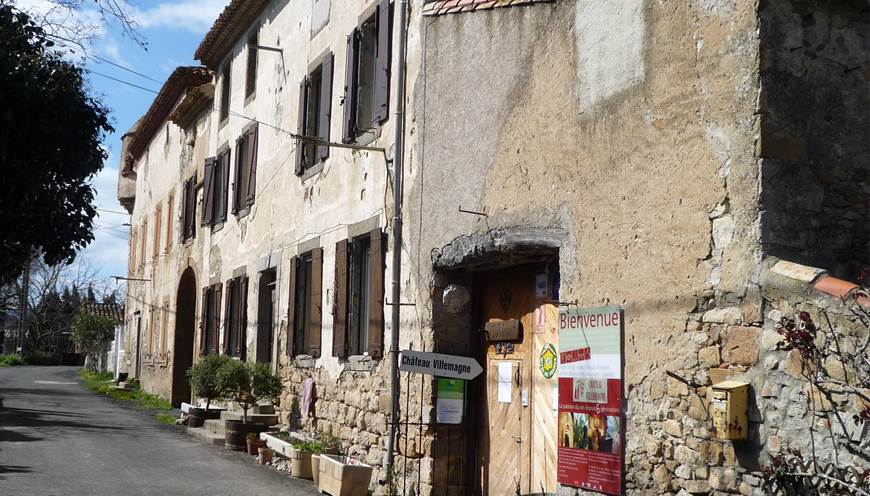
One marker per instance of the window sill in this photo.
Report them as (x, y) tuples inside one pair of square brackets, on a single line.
[(217, 227), (241, 214), (360, 363), (304, 361), (369, 136), (312, 171)]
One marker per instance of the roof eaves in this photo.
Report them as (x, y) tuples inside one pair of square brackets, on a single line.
[(235, 19)]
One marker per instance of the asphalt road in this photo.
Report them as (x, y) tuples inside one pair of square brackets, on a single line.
[(57, 438)]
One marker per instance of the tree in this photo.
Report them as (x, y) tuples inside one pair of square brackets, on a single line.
[(93, 333), (203, 377), (247, 383), (50, 148)]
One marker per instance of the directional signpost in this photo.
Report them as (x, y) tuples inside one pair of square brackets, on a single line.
[(455, 367)]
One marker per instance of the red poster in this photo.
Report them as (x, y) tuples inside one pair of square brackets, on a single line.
[(591, 427)]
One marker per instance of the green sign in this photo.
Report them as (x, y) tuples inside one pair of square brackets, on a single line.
[(450, 400), (549, 360)]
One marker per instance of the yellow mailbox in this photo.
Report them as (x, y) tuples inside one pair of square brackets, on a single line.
[(729, 407)]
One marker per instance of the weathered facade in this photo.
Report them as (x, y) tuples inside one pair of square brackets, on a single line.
[(656, 156)]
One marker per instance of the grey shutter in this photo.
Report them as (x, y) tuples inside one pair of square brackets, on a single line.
[(252, 167), (241, 341), (383, 62), (216, 316), (203, 323), (339, 311), (350, 82), (316, 308), (300, 128), (376, 298), (208, 193), (291, 308), (325, 105)]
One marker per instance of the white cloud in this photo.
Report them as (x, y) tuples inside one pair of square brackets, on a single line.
[(196, 16), (108, 252)]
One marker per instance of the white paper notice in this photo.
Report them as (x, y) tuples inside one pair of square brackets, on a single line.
[(505, 381), (555, 401)]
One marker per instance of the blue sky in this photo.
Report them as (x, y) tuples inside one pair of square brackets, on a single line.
[(172, 31)]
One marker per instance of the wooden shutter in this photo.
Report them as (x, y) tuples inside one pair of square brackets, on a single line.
[(300, 128), (316, 308), (350, 82), (339, 311), (216, 316), (208, 193), (291, 308), (376, 298), (224, 187), (325, 105), (252, 166), (203, 323), (184, 212), (237, 176), (230, 318), (383, 62), (241, 341)]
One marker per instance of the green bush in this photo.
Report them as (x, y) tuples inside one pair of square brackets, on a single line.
[(41, 358), (203, 377), (247, 383), (10, 360)]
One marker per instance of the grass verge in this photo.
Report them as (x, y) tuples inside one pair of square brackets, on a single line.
[(101, 383), (10, 360)]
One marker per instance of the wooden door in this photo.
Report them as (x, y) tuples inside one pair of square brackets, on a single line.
[(504, 436)]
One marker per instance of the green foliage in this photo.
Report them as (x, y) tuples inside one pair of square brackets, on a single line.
[(37, 357), (93, 332), (165, 418), (315, 447), (203, 377), (10, 360), (50, 149), (247, 383), (265, 384), (102, 384)]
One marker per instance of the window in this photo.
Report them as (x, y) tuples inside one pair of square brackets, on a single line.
[(245, 181), (143, 240), (155, 248), (305, 304), (236, 317), (367, 76), (188, 214), (210, 323), (251, 80), (358, 318), (214, 189), (225, 91), (164, 329), (315, 98), (170, 204), (132, 261)]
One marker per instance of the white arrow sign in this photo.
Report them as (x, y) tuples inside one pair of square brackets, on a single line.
[(456, 367)]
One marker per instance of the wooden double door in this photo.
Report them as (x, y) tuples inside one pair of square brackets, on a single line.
[(516, 445)]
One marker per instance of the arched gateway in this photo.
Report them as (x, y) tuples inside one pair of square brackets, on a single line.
[(185, 322)]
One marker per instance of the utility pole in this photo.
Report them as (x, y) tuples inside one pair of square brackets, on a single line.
[(23, 304), (398, 157)]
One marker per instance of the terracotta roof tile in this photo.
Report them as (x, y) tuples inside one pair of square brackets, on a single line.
[(835, 287), (453, 6), (114, 311), (235, 19)]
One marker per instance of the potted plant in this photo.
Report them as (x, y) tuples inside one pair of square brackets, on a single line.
[(203, 379), (254, 443), (301, 457), (245, 384), (266, 455)]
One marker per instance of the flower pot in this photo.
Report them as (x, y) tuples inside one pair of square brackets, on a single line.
[(344, 476), (236, 433), (315, 469), (196, 416), (254, 446), (266, 455), (300, 464)]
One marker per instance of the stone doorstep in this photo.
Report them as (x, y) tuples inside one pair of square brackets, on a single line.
[(215, 426), (264, 418), (201, 434)]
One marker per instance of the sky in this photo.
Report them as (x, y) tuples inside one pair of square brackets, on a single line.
[(172, 31)]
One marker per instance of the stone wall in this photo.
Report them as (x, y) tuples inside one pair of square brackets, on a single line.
[(814, 146)]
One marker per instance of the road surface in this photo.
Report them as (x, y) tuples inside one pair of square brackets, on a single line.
[(59, 439)]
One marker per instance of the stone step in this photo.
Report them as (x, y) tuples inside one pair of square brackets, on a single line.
[(263, 418), (201, 434), (264, 409), (215, 426)]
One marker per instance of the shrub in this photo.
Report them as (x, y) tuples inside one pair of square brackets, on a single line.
[(247, 383), (203, 377), (10, 360)]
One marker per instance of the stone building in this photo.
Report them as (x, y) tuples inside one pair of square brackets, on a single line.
[(668, 157)]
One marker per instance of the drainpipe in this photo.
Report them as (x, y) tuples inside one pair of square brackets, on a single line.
[(398, 156)]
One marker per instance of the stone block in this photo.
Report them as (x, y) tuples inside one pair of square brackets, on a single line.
[(770, 340), (724, 315), (684, 472), (793, 364), (718, 375), (697, 408), (740, 346), (709, 356), (673, 427), (696, 486)]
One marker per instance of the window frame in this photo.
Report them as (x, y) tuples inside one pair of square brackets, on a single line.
[(235, 317), (315, 115), (305, 308), (226, 91), (252, 64)]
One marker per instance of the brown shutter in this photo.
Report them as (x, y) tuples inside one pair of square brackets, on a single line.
[(216, 316), (243, 316), (316, 309), (325, 105), (300, 128), (252, 167), (207, 193), (376, 298), (237, 175), (185, 206), (339, 311), (203, 323), (350, 79), (231, 317), (291, 308), (383, 62), (224, 186)]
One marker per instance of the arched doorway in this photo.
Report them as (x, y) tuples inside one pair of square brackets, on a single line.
[(185, 322)]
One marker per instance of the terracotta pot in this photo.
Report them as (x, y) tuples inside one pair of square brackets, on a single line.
[(266, 455), (236, 432), (254, 446)]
